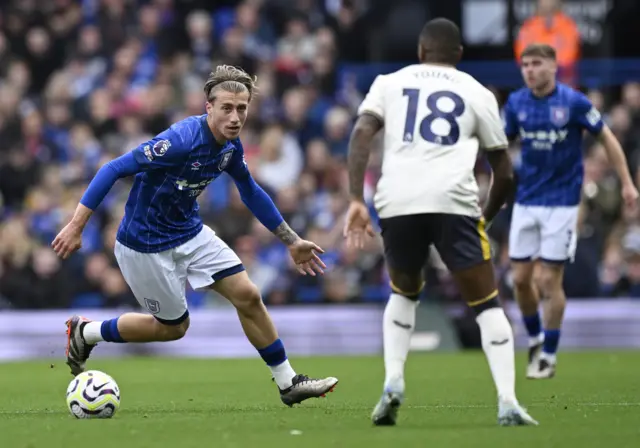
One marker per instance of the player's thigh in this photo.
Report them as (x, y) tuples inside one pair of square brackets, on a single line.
[(156, 282), (559, 235), (465, 249), (550, 278), (524, 234), (208, 259), (406, 241), (212, 264)]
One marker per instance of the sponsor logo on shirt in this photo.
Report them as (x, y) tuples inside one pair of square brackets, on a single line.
[(147, 153), (544, 140), (194, 189)]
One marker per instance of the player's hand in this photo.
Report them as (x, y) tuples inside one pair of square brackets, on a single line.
[(357, 224), (68, 241), (629, 194), (305, 256)]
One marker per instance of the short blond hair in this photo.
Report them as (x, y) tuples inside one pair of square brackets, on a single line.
[(544, 51), (230, 79)]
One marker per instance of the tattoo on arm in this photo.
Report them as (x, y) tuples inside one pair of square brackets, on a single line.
[(286, 234), (359, 148)]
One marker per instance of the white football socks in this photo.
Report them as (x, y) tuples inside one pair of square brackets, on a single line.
[(283, 374), (92, 333), (498, 346), (397, 324)]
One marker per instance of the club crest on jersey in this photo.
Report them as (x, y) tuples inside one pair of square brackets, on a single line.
[(522, 116), (559, 116), (226, 158), (161, 147), (152, 305)]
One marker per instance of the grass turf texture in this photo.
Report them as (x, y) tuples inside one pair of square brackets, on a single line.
[(593, 402)]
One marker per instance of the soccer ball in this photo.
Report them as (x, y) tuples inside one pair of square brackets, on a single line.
[(93, 394)]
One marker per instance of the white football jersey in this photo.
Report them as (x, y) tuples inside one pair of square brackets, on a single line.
[(435, 120)]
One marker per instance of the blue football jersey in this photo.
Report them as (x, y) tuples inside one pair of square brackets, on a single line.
[(162, 210), (551, 131)]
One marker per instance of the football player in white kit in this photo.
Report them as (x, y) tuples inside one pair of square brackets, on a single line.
[(435, 119)]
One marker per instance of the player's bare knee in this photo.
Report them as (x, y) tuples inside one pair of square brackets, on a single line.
[(550, 280), (247, 299), (174, 332), (522, 276), (477, 286), (482, 304)]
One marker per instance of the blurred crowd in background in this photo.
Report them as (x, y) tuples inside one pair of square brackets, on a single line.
[(82, 82)]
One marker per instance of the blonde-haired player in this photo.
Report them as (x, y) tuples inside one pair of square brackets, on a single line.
[(162, 242)]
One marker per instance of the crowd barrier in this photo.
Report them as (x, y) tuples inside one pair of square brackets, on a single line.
[(591, 73), (315, 330)]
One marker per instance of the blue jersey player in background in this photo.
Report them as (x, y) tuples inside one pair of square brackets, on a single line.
[(550, 119), (162, 242)]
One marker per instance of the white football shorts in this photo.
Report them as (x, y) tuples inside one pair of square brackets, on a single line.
[(158, 280), (546, 233)]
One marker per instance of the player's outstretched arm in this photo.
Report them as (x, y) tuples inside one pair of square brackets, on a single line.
[(70, 237), (503, 182), (617, 158), (360, 142), (358, 221), (494, 141), (590, 119), (304, 253)]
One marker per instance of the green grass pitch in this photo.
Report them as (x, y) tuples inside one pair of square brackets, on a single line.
[(593, 402)]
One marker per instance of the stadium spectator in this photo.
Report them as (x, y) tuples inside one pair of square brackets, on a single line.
[(553, 27), (80, 86)]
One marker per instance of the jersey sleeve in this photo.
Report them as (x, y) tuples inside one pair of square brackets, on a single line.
[(509, 120), (491, 134), (587, 115), (166, 150), (373, 103), (253, 196)]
